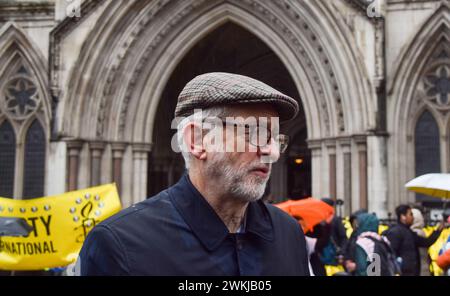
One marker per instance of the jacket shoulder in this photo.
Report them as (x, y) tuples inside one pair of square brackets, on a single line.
[(103, 253), (280, 216), (150, 206), (394, 230), (106, 248)]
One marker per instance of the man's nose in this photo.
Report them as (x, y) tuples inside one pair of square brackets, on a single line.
[(270, 150), (266, 149)]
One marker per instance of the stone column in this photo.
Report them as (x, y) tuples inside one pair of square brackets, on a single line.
[(377, 175), (331, 148), (57, 173), (140, 167), (316, 159), (73, 152), (361, 143), (96, 149), (347, 165), (117, 156), (444, 140)]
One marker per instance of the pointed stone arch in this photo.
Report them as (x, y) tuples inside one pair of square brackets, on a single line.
[(17, 50), (115, 84), (117, 45), (410, 96)]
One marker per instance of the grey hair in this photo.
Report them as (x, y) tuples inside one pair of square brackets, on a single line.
[(219, 111)]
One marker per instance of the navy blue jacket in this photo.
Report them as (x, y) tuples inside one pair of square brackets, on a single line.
[(406, 243), (178, 233)]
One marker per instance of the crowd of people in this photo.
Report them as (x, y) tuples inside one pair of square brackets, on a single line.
[(398, 250)]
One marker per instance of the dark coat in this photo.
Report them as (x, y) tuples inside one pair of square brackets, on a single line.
[(406, 243), (177, 233), (339, 235)]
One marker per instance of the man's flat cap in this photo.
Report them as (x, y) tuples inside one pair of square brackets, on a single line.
[(218, 88)]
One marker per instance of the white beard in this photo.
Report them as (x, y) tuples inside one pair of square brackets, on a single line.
[(238, 183)]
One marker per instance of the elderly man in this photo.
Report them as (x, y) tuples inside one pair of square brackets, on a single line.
[(212, 222)]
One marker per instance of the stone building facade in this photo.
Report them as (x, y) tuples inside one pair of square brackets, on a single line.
[(88, 89)]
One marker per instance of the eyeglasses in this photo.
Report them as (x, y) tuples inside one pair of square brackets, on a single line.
[(258, 135)]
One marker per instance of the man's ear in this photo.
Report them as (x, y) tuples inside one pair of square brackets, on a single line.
[(193, 137)]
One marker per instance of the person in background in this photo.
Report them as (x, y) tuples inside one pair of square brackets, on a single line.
[(321, 234), (443, 261), (333, 253), (371, 246), (418, 222), (349, 252), (406, 242), (417, 227)]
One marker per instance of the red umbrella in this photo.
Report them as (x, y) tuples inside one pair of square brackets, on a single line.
[(309, 212)]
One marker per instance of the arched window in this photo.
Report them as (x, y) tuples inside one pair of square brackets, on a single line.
[(427, 147), (34, 162), (7, 159), (22, 158)]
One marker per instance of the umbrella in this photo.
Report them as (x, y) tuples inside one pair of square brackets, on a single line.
[(311, 211), (11, 226), (437, 185)]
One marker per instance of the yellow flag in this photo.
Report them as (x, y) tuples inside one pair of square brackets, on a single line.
[(60, 225)]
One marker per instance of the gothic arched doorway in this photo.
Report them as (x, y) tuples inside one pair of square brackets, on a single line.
[(229, 48)]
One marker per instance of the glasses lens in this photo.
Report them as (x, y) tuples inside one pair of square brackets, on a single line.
[(259, 136)]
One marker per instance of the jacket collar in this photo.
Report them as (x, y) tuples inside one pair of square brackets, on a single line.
[(204, 221), (403, 225)]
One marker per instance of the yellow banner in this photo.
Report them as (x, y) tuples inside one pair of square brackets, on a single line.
[(60, 224)]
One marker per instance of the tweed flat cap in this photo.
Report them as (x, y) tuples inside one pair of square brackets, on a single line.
[(219, 88)]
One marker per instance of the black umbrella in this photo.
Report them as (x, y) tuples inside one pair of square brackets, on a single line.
[(12, 226)]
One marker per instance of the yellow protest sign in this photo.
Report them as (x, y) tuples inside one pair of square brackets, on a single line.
[(60, 224)]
